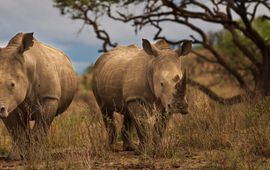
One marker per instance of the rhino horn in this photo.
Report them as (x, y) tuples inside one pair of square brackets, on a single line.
[(148, 48), (183, 83), (185, 48)]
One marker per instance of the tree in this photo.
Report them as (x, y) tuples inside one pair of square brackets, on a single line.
[(238, 17)]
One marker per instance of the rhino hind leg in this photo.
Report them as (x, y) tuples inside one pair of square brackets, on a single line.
[(108, 118), (17, 128), (126, 131)]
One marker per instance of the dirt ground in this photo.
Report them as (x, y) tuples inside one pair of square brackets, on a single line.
[(115, 160)]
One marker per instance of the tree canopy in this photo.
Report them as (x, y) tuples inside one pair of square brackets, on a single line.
[(242, 49)]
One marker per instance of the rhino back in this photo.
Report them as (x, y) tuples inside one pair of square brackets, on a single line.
[(109, 75), (136, 85), (53, 77)]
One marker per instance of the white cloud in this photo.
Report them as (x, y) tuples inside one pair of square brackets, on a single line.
[(43, 19)]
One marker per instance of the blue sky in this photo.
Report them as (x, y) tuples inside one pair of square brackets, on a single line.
[(40, 17)]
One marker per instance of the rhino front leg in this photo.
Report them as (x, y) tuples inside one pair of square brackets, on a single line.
[(160, 126), (19, 130), (125, 131), (43, 119), (138, 113)]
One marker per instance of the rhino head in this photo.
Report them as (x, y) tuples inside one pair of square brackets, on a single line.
[(13, 75), (167, 81)]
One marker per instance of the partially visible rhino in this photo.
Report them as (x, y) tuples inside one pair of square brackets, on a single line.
[(37, 82), (131, 80)]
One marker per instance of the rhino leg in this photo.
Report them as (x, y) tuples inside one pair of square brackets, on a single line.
[(110, 126), (139, 116), (160, 127), (17, 128), (43, 120), (125, 131)]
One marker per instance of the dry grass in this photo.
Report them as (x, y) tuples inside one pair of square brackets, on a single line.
[(212, 136), (232, 137)]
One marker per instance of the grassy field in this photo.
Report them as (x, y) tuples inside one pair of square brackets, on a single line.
[(212, 136)]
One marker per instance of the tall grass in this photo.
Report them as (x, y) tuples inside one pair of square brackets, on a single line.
[(234, 137), (229, 137)]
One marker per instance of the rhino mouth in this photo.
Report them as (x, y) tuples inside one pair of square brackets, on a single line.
[(184, 111), (5, 111), (179, 107)]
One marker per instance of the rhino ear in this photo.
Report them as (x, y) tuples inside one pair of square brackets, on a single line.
[(185, 48), (148, 48), (27, 42)]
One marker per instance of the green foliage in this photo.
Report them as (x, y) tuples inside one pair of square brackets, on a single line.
[(224, 42), (63, 4), (71, 6), (263, 27)]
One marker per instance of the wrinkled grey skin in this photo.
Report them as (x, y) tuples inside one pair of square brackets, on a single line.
[(37, 82), (130, 80)]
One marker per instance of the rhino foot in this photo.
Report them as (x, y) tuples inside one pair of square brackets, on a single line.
[(129, 147), (14, 156)]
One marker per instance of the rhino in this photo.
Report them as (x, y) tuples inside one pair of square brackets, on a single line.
[(37, 83), (130, 80)]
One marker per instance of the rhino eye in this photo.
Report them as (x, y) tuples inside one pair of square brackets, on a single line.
[(176, 78), (162, 84)]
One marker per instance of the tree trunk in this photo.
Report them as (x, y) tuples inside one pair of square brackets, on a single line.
[(263, 86)]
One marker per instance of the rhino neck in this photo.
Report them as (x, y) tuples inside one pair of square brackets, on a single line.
[(149, 75), (31, 73)]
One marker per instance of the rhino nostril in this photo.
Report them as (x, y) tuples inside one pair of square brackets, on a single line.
[(2, 110), (169, 106)]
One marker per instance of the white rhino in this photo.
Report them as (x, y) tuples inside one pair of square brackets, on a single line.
[(37, 82), (127, 78)]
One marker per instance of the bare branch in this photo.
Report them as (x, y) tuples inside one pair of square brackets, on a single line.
[(266, 17), (216, 97), (157, 12), (82, 14), (204, 57), (249, 32), (253, 14), (222, 62), (243, 48)]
